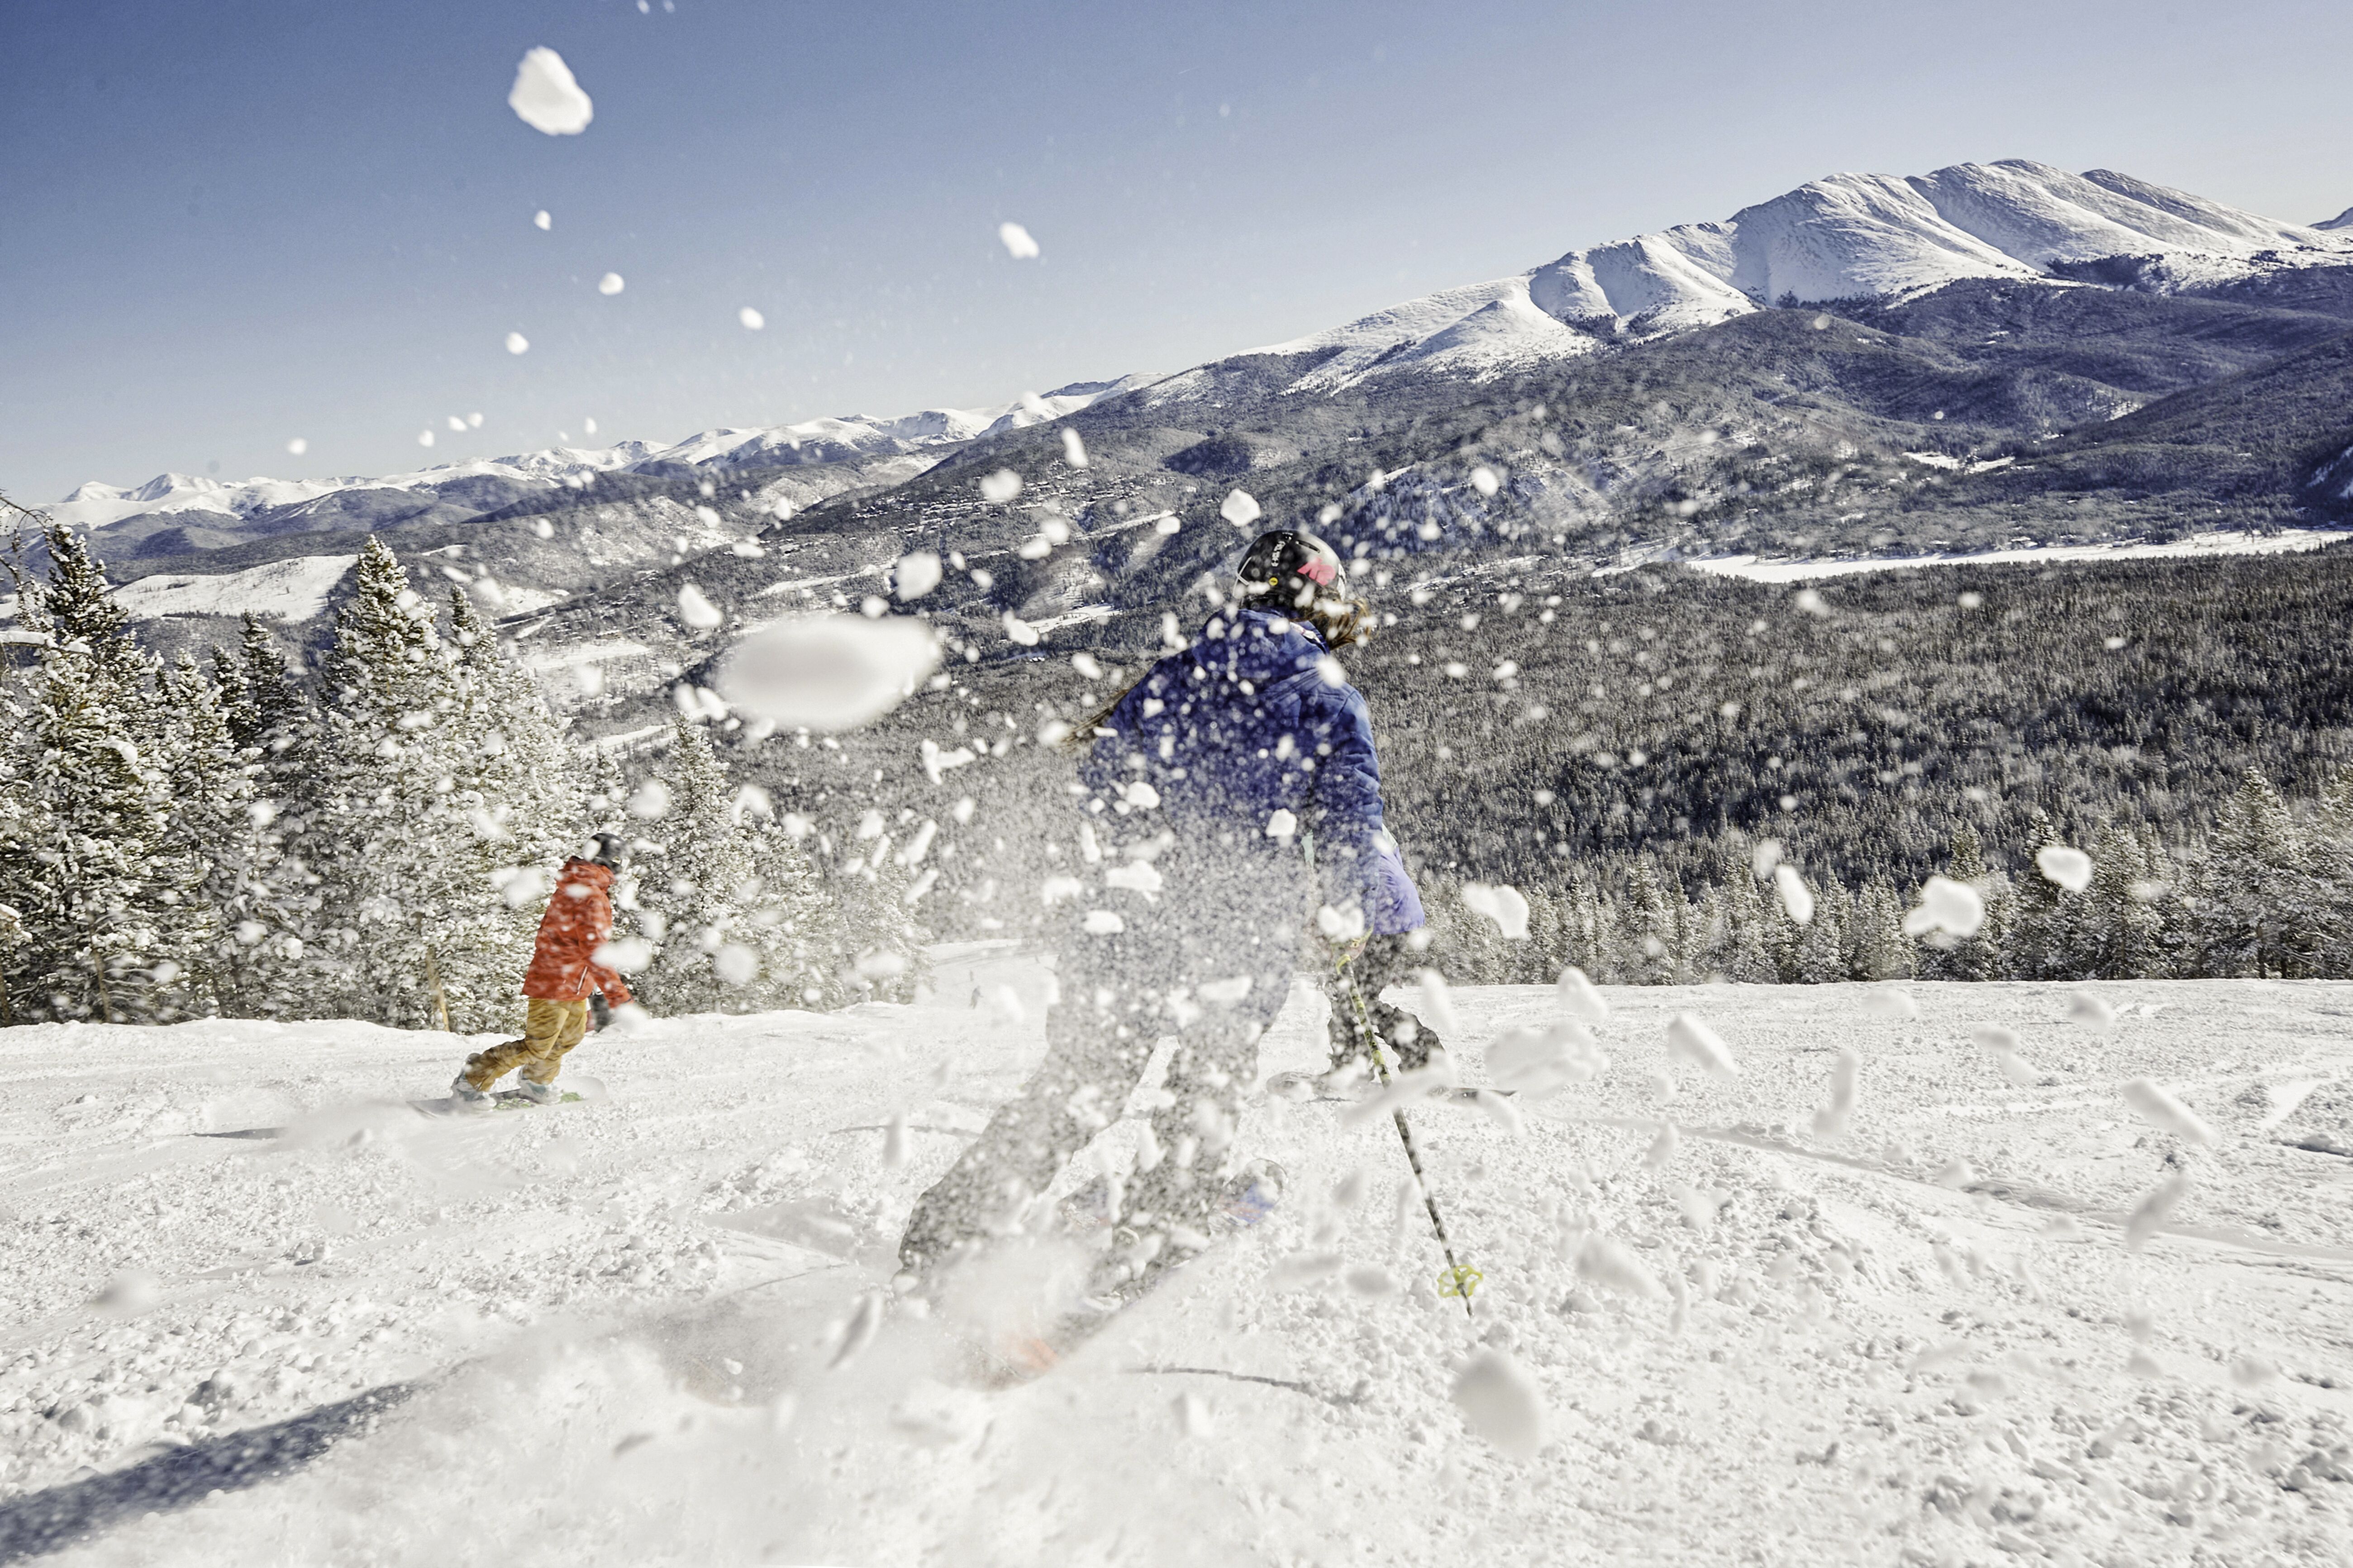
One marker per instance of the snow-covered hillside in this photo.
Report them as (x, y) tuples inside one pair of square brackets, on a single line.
[(603, 1334), (500, 481), (1843, 236)]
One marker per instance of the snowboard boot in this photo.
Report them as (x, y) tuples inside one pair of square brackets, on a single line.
[(538, 1093), (466, 1097)]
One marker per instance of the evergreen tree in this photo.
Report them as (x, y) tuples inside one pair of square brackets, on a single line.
[(1654, 941), (85, 853), (1821, 946), (2252, 889), (1881, 951), (2031, 948), (409, 845), (1741, 956)]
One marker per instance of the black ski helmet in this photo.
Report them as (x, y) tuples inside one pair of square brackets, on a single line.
[(1291, 568), (608, 850)]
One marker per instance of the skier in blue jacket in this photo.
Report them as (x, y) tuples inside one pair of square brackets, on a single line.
[(1204, 784)]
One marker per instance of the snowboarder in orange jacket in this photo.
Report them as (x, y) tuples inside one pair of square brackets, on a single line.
[(563, 976)]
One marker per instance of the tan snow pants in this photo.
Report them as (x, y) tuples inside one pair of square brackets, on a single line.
[(549, 1029)]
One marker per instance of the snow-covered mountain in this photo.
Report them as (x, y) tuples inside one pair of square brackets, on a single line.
[(482, 485), (1844, 237)]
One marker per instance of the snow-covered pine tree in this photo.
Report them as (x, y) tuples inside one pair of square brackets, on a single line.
[(1823, 943), (85, 856), (1742, 956), (1979, 955), (2034, 946), (1653, 927), (2120, 923), (738, 918), (2253, 892), (2330, 857), (273, 729), (412, 921), (1881, 949), (794, 927)]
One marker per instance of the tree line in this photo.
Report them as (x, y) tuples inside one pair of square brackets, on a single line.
[(377, 840), (2267, 892)]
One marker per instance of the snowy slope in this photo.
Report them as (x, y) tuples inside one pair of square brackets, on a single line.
[(603, 1334), (95, 505), (1839, 238)]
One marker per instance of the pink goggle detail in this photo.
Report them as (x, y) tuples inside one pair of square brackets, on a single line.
[(1317, 570)]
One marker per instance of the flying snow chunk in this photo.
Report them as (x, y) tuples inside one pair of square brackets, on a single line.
[(1501, 1403), (1000, 487), (917, 574), (1947, 906), (1811, 603), (2162, 1110), (651, 800), (1103, 923), (2071, 868), (298, 445), (425, 438), (1017, 242), (1227, 992), (1503, 905), (609, 284), (1074, 451), (546, 98), (1540, 1063), (540, 220), (2149, 1214), (1890, 1003), (1019, 630), (1697, 1044), (827, 672), (517, 344), (1796, 897), (735, 964), (2092, 1011), (1829, 1121), (1437, 1008), (629, 954), (1615, 1267), (1240, 509), (1581, 997), (1483, 480), (696, 610), (752, 321), (1283, 824)]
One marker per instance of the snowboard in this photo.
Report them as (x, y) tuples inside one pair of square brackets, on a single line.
[(505, 1099)]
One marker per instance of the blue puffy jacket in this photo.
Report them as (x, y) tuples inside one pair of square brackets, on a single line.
[(1256, 718)]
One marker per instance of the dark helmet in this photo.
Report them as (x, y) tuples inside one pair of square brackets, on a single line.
[(1291, 569), (609, 850)]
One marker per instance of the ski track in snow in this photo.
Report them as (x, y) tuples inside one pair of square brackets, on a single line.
[(600, 1334)]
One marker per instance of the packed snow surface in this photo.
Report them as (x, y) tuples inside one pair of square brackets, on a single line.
[(257, 1308)]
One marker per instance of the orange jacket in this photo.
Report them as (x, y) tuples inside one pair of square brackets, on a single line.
[(578, 921)]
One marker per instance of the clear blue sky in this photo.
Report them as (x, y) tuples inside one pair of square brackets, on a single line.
[(227, 223)]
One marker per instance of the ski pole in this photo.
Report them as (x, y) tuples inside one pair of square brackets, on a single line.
[(1459, 1280)]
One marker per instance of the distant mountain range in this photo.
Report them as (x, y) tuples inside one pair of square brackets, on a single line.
[(172, 513), (1986, 356)]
